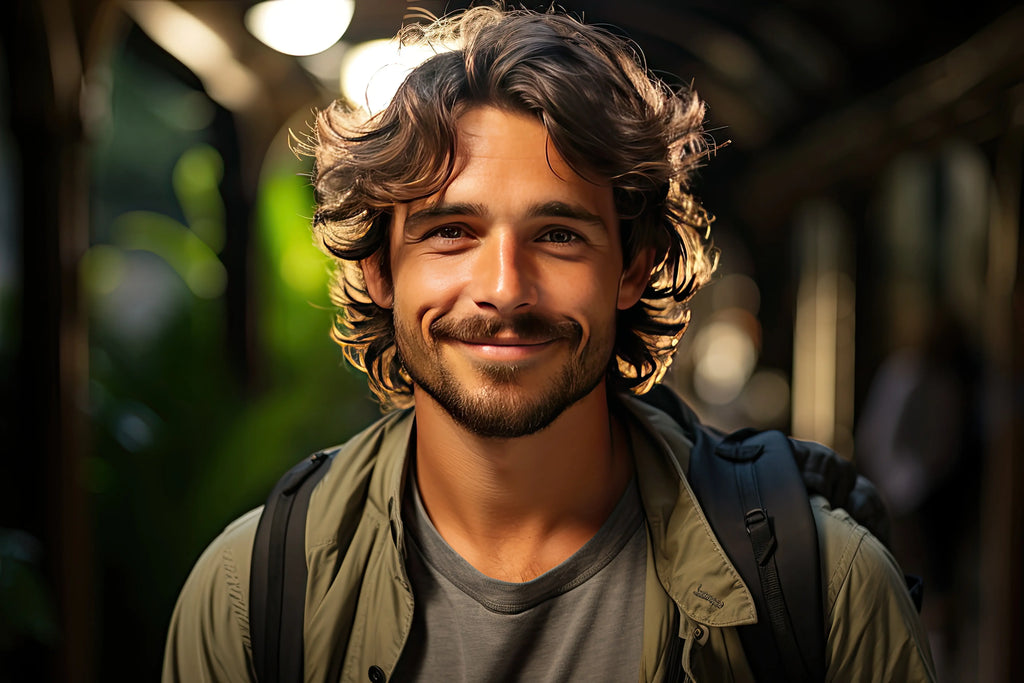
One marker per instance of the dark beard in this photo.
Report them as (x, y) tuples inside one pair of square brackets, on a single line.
[(497, 412)]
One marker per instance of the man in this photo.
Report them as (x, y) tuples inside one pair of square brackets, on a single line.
[(516, 245)]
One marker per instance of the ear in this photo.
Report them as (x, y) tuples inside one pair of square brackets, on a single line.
[(634, 279), (378, 284)]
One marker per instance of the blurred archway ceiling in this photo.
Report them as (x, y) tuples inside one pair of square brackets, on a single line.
[(786, 81)]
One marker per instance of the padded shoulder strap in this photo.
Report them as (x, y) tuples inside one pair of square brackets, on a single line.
[(277, 580), (754, 497)]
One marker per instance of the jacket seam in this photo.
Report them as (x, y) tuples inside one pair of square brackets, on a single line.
[(841, 575), (234, 586)]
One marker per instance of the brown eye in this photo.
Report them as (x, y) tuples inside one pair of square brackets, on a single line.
[(449, 232), (560, 236)]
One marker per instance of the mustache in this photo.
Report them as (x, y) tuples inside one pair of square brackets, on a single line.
[(525, 326)]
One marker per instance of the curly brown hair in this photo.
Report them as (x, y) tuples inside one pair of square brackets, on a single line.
[(605, 113)]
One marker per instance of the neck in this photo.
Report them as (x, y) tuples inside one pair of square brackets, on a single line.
[(514, 508)]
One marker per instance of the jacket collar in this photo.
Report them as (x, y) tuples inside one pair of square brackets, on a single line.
[(691, 564), (388, 483)]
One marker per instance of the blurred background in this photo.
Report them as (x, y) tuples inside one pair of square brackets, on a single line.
[(164, 318)]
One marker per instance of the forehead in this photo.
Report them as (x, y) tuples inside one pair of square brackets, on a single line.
[(504, 158), (490, 133)]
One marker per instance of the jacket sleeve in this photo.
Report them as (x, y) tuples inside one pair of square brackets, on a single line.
[(874, 631), (208, 638)]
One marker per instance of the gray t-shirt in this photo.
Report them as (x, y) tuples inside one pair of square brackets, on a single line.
[(582, 620)]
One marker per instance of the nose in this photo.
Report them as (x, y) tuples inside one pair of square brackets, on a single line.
[(504, 280)]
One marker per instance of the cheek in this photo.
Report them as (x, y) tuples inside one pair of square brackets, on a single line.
[(424, 288), (589, 299)]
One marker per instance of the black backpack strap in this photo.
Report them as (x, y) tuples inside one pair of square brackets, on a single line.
[(277, 581), (755, 500), (754, 497)]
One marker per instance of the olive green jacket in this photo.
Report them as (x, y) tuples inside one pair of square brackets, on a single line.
[(359, 605)]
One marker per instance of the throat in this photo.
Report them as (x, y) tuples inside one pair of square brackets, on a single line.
[(523, 553), (516, 509)]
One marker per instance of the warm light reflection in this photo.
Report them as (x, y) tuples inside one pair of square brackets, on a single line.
[(823, 333), (300, 27), (725, 355), (814, 358), (199, 48), (371, 72)]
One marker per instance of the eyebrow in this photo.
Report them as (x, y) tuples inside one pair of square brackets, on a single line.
[(558, 209), (444, 211), (553, 209)]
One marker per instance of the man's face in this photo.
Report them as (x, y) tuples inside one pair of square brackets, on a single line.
[(505, 284)]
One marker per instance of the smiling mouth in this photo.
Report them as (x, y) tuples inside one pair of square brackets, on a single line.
[(505, 350), (507, 340)]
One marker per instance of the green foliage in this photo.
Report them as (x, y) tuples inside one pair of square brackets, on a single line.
[(181, 442)]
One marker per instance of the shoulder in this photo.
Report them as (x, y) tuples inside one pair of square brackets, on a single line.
[(873, 626), (365, 473), (208, 638), (844, 543)]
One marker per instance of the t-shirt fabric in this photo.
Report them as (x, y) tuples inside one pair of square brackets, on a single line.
[(582, 620)]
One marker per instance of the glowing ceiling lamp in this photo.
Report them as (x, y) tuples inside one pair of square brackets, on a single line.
[(299, 27), (371, 72)]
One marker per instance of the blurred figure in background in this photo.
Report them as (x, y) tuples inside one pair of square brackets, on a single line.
[(919, 440)]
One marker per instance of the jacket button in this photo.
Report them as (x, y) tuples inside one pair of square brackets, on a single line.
[(376, 674), (698, 633)]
